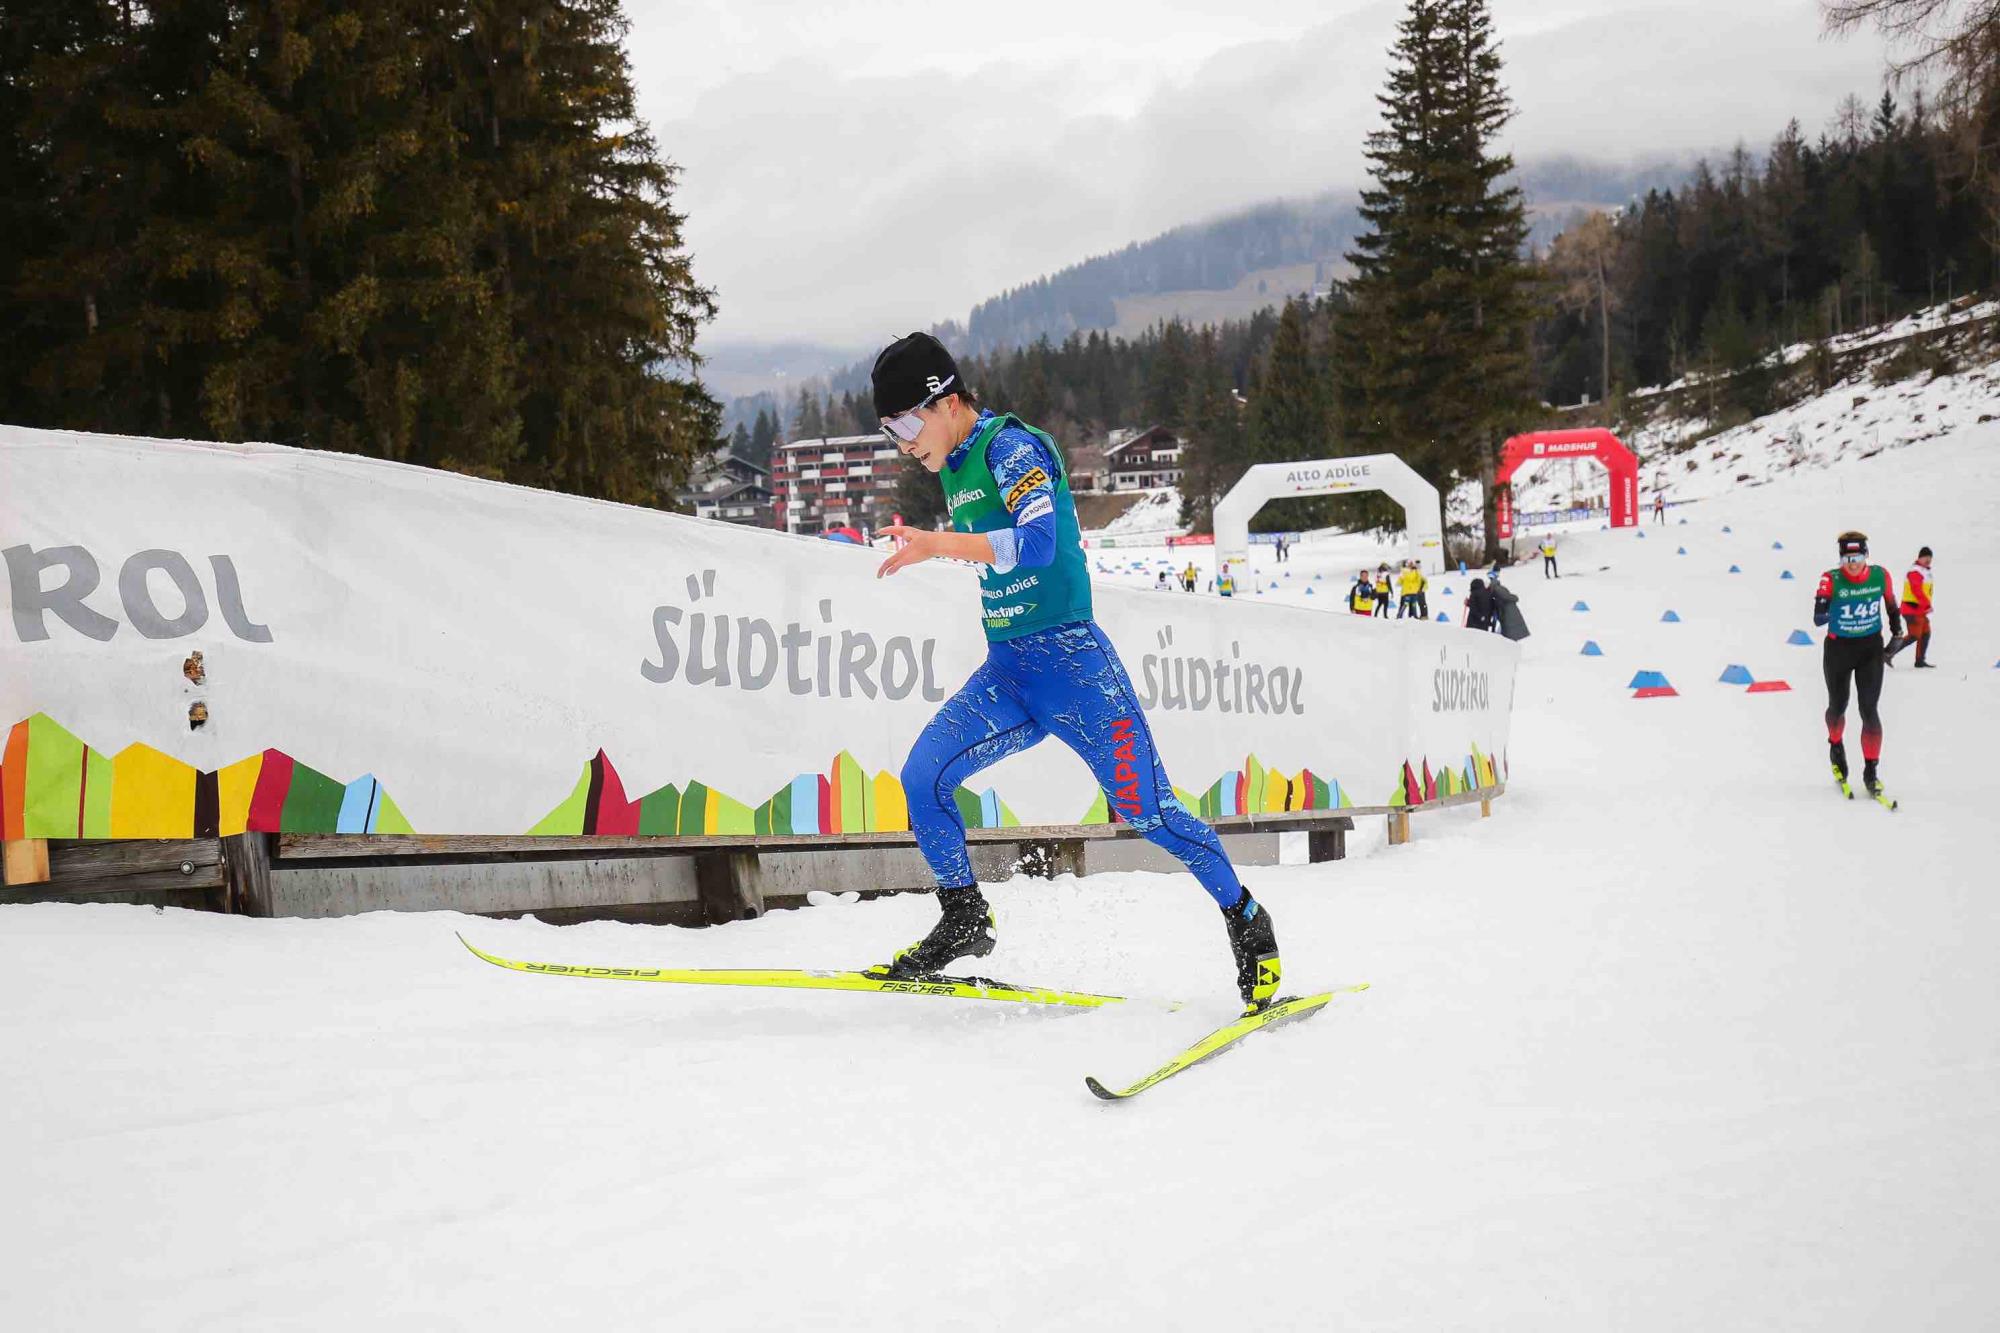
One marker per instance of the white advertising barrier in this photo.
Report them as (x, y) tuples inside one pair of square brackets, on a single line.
[(201, 639), (1423, 516)]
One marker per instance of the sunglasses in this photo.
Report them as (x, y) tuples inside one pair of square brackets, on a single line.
[(906, 426), (1854, 558)]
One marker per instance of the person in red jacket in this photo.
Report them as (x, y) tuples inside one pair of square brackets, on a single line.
[(1916, 612)]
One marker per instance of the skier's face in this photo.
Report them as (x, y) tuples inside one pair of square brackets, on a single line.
[(933, 440)]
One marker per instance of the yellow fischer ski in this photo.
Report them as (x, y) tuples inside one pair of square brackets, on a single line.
[(1220, 1040), (962, 988)]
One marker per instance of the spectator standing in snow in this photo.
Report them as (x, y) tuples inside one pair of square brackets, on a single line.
[(1916, 613), (1507, 610), (1407, 583), (1549, 569), (1479, 607), (1361, 597)]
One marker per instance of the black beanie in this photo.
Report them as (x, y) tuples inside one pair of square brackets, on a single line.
[(911, 369), (1921, 554)]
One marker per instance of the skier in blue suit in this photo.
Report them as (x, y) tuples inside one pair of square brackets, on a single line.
[(1049, 669)]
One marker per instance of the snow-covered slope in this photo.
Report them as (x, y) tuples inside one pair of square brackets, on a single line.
[(1857, 418), (1677, 1039)]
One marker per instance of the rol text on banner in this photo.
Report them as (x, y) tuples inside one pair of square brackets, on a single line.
[(202, 639)]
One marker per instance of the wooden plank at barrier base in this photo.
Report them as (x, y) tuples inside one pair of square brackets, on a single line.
[(26, 861)]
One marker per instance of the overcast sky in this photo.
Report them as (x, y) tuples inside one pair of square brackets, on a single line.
[(859, 168)]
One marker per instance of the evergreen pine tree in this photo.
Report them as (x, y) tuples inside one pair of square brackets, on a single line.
[(808, 422), (585, 247), (1433, 357), (1213, 455), (763, 434)]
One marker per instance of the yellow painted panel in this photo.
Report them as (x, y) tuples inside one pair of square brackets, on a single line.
[(892, 811), (234, 786), (152, 795)]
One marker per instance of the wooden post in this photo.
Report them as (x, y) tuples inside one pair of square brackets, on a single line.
[(1486, 808), (1045, 858), (1399, 827), (26, 861), (246, 874), (1328, 844), (731, 885)]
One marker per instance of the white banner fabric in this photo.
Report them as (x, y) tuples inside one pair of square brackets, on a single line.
[(385, 648)]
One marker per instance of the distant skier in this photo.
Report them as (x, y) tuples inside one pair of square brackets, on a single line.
[(1225, 582), (1549, 569), (1851, 602), (1659, 506), (1049, 669), (1385, 592), (1916, 613)]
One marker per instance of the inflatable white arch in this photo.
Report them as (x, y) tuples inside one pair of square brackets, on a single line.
[(1422, 514)]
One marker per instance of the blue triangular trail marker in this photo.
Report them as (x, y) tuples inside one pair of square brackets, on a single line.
[(1682, 551), (1581, 606), (1670, 618), (1447, 592), (1727, 528), (1736, 569), (1734, 674), (1443, 618), (1777, 546), (1800, 636), (1642, 532), (1590, 648), (1647, 680), (1684, 523), (1309, 592), (1787, 574)]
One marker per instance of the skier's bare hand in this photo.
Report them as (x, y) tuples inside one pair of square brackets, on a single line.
[(913, 547)]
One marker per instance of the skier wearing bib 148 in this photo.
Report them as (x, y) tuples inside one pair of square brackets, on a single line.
[(1851, 602), (1049, 670)]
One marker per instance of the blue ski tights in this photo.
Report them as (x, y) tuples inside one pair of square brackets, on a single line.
[(1065, 682)]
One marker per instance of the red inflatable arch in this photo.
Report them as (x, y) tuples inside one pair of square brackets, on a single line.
[(1601, 445)]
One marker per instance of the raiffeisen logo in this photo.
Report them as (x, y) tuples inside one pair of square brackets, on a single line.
[(958, 499)]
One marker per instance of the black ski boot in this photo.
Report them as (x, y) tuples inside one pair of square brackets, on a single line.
[(964, 931), (1838, 753), (1254, 943), (1869, 779)]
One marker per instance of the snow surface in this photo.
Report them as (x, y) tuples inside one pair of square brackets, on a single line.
[(1676, 1039)]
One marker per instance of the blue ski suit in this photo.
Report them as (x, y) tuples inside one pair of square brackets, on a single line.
[(1064, 681)]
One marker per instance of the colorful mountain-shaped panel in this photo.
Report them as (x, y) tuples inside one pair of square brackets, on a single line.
[(53, 785)]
